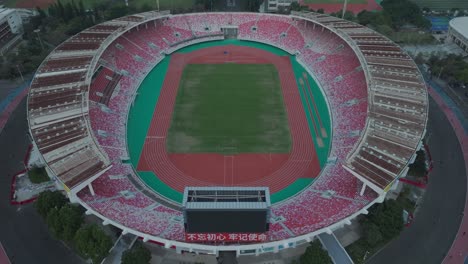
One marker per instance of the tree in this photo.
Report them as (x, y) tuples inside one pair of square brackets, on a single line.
[(64, 222), (348, 15), (202, 5), (402, 12), (422, 22), (48, 200), (145, 8), (462, 75), (419, 59), (38, 175), (315, 254), (365, 17), (372, 234), (60, 10), (77, 24), (81, 8), (321, 11), (387, 216), (54, 222), (384, 30), (91, 242), (381, 19), (295, 6), (418, 168), (69, 12), (117, 11), (253, 5), (41, 13), (137, 255), (452, 68)]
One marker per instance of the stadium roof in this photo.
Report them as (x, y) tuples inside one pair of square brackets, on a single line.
[(460, 24), (397, 116), (58, 103), (226, 198)]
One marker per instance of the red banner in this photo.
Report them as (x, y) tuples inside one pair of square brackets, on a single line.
[(226, 237)]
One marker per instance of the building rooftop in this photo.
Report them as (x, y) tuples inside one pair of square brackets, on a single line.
[(460, 24)]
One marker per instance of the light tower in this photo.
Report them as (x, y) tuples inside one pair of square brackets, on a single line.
[(344, 8)]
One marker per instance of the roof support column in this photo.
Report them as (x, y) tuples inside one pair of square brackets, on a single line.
[(276, 249), (91, 189), (363, 189)]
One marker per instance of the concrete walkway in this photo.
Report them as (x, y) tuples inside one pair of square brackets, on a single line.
[(123, 243), (335, 249)]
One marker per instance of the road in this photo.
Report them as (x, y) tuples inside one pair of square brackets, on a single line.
[(23, 233), (438, 218)]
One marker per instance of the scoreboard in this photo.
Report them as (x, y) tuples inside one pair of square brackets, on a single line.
[(228, 214)]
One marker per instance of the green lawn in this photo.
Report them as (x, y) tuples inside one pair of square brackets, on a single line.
[(229, 108), (335, 1)]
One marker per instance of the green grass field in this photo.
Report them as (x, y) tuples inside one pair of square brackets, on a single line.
[(229, 108), (335, 1), (141, 114)]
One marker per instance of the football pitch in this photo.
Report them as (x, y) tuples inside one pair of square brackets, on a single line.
[(228, 109)]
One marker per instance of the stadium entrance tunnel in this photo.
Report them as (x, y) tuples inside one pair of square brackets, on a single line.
[(229, 113)]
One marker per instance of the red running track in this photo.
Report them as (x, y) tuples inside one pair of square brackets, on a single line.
[(275, 171)]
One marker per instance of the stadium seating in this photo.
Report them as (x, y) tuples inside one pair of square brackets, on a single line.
[(120, 200), (58, 93)]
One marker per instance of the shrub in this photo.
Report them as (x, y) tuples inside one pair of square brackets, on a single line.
[(315, 254), (137, 255), (38, 175)]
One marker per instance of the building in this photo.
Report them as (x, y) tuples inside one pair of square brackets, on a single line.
[(273, 6), (458, 32), (11, 26)]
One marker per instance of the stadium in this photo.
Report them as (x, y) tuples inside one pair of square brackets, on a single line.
[(323, 112)]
